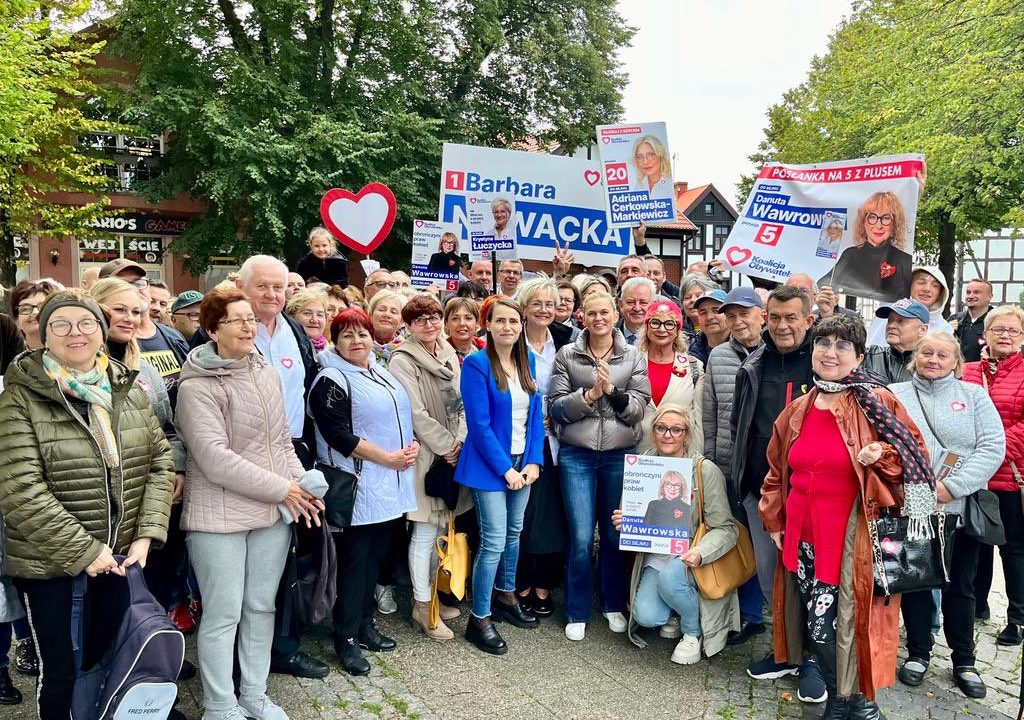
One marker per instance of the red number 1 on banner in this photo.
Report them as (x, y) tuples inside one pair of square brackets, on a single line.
[(768, 234)]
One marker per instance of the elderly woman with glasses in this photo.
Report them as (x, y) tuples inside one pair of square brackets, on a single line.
[(312, 310), (385, 311), (677, 378), (27, 299)]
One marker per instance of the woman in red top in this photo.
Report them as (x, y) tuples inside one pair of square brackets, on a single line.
[(1001, 372), (677, 378), (830, 471)]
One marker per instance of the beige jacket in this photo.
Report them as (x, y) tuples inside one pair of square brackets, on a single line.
[(438, 418), (241, 461)]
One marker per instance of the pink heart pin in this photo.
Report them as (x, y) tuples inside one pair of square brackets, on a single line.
[(957, 406), (287, 362), (889, 547), (359, 220), (632, 459), (738, 256), (592, 177)]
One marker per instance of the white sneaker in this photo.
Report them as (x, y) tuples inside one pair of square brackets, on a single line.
[(234, 713), (261, 707), (670, 630), (687, 651), (385, 597), (576, 631), (616, 622)]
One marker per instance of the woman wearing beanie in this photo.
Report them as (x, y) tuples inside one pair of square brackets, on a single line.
[(59, 409)]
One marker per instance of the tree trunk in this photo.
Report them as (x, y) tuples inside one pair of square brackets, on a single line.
[(7, 266), (947, 254)]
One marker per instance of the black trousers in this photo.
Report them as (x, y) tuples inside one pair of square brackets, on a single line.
[(48, 603), (361, 553), (957, 607), (167, 566), (1012, 555), (540, 570)]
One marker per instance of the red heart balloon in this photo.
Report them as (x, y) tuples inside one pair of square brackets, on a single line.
[(361, 220)]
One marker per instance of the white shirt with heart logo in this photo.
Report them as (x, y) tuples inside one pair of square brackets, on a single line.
[(282, 352)]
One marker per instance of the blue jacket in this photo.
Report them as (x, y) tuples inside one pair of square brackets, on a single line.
[(487, 453)]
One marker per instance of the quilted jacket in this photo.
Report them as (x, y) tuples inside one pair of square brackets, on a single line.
[(1006, 388), (60, 501), (719, 387), (240, 456)]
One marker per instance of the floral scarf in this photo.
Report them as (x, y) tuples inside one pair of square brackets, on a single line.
[(918, 477), (94, 388)]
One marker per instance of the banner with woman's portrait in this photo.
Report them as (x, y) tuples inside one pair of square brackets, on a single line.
[(656, 495), (436, 255), (636, 168), (848, 224)]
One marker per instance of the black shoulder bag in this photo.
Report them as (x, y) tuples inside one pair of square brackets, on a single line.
[(342, 485)]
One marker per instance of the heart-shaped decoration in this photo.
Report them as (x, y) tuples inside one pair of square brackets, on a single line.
[(472, 200), (359, 220), (957, 406), (287, 362), (419, 223), (606, 139), (889, 547), (738, 256), (593, 177), (632, 459)]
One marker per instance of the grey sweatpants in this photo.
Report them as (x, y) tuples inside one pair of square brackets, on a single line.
[(765, 552), (238, 576)]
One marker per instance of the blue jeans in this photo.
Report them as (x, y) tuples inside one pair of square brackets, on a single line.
[(592, 489), (20, 630), (500, 514), (661, 592)]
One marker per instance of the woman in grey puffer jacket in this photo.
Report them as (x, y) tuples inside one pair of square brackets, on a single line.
[(959, 418), (598, 392)]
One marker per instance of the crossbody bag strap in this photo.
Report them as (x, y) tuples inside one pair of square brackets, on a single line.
[(700, 492), (927, 421)]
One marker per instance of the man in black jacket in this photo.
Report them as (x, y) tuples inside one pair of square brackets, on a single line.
[(774, 375), (906, 322), (970, 324)]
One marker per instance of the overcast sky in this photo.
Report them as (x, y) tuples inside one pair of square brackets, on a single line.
[(711, 68)]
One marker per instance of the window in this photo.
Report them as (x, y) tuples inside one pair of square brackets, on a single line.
[(709, 208), (128, 160), (722, 230)]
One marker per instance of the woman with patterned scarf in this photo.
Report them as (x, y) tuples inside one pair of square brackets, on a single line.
[(86, 474), (837, 457)]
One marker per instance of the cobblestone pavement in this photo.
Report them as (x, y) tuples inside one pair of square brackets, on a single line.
[(545, 676)]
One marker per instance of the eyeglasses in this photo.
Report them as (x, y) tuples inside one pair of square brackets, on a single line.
[(254, 321), (541, 305), (672, 431), (193, 316), (875, 219), (656, 324), (140, 283), (28, 309), (677, 486), (433, 319), (62, 328), (645, 156), (310, 314), (1008, 332), (841, 346), (382, 284)]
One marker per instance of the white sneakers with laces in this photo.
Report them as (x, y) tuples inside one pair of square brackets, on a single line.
[(576, 631), (385, 597), (261, 707), (616, 622), (687, 651)]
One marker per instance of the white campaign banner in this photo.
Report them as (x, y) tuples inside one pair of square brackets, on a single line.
[(555, 198), (656, 494), (637, 171), (435, 254), (849, 224)]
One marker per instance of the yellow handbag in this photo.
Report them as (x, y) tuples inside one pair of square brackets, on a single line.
[(719, 578), (452, 568)]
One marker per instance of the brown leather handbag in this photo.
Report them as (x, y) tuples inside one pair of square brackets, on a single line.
[(717, 579)]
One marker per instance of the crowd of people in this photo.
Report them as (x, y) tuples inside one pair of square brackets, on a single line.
[(190, 435)]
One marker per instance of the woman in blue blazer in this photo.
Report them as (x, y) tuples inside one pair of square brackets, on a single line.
[(501, 458)]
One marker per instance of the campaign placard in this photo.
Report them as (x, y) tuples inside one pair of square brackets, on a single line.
[(848, 224), (637, 170), (656, 495), (492, 226), (556, 198), (435, 254)]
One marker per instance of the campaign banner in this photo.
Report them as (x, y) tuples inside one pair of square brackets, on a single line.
[(435, 254), (656, 493), (555, 198), (492, 227), (637, 170), (848, 224)]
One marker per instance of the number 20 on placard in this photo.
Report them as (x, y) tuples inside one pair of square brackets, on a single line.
[(616, 174)]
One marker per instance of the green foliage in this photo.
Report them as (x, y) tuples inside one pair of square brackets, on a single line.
[(933, 76), (270, 103), (44, 77)]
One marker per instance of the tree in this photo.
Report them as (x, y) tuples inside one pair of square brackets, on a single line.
[(270, 103), (934, 76), (44, 81)]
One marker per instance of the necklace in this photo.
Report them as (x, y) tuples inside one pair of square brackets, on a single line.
[(606, 353)]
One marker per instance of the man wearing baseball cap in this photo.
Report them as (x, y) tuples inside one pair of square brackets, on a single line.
[(185, 313), (906, 322), (713, 329)]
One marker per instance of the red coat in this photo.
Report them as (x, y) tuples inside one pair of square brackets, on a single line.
[(1006, 388)]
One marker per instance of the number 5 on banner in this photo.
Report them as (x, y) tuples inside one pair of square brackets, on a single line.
[(768, 234)]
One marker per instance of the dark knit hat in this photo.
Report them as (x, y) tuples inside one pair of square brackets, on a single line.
[(69, 298)]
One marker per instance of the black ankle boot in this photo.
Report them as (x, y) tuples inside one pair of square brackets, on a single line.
[(836, 708), (9, 695), (484, 635), (513, 614), (351, 658), (370, 638), (863, 709)]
